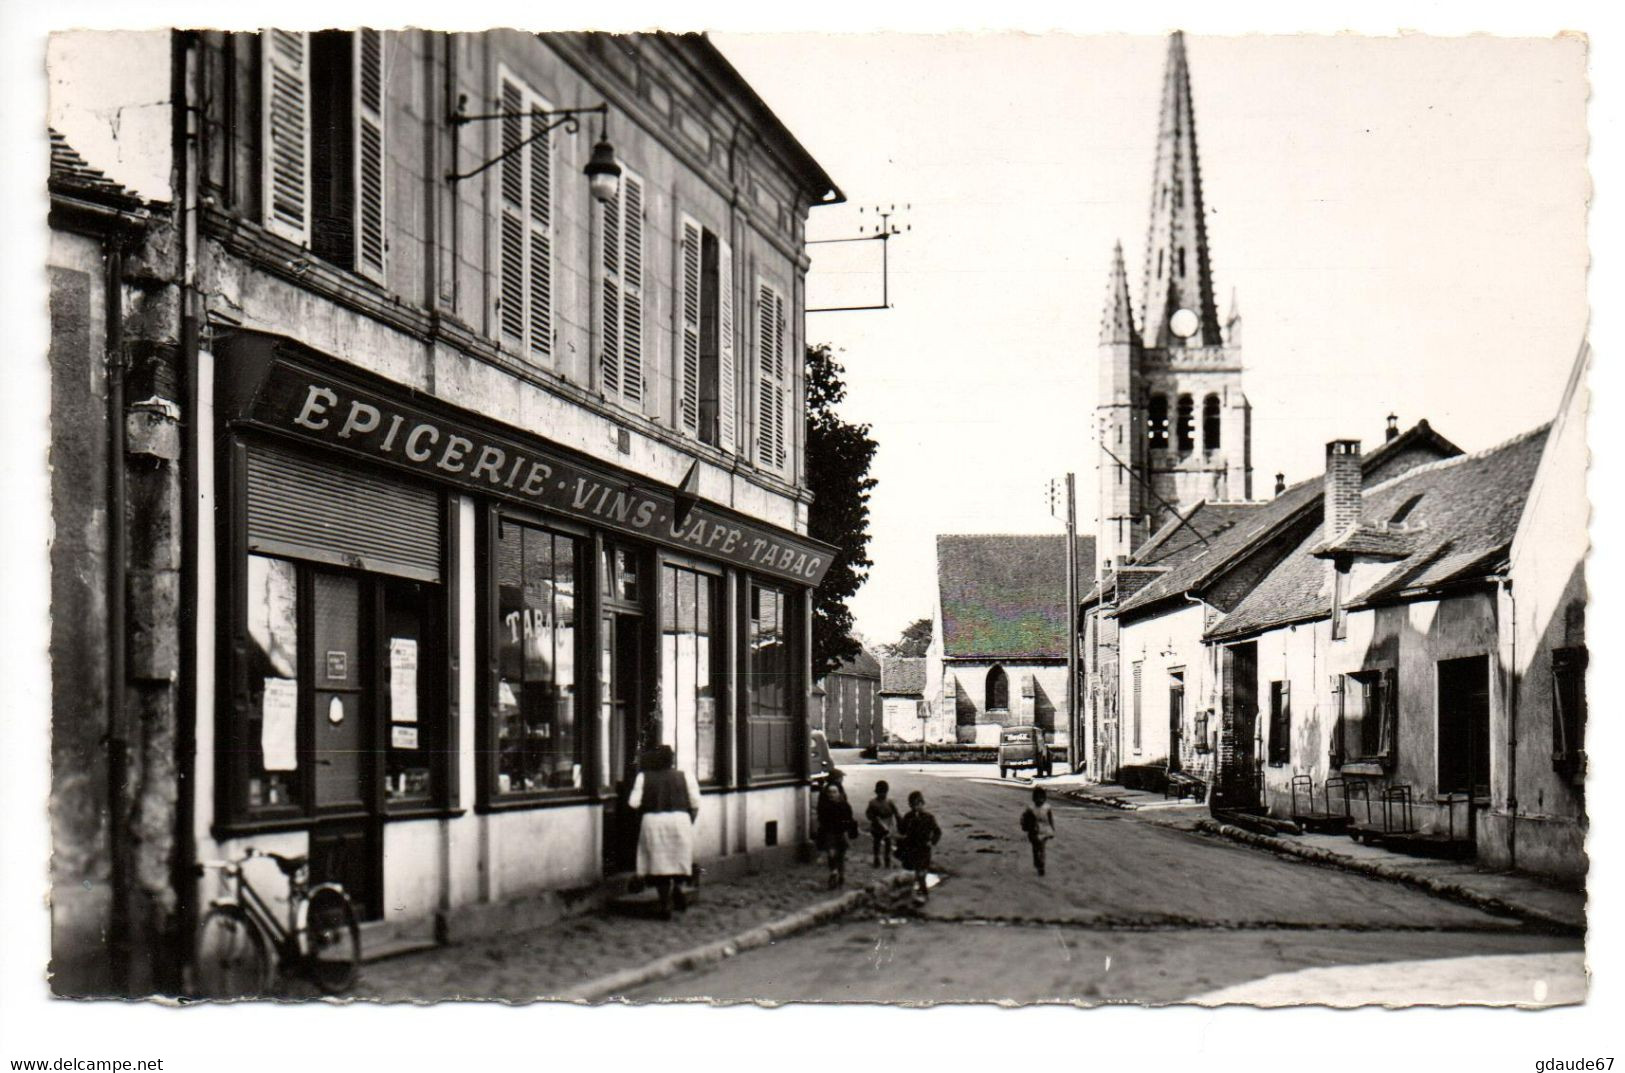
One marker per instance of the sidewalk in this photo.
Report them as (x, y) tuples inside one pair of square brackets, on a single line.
[(560, 959), (1500, 892), (1111, 795)]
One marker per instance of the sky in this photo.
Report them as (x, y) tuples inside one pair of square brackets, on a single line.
[(1402, 221)]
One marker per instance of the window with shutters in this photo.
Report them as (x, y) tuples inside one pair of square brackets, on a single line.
[(705, 315), (1569, 710), (1139, 667), (1280, 749), (323, 149), (523, 187), (1366, 703), (772, 378), (620, 304)]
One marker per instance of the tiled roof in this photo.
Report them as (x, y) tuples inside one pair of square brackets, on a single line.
[(71, 174), (863, 665), (1378, 541), (902, 674), (1464, 511), (1196, 566), (1005, 596)]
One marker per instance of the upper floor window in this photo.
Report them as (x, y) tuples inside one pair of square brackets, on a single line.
[(705, 304), (322, 144), (621, 298), (525, 222), (772, 378), (1211, 425)]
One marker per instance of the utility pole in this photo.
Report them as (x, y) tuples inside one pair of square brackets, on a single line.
[(1074, 720)]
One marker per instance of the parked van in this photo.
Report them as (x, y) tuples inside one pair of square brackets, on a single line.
[(1024, 747)]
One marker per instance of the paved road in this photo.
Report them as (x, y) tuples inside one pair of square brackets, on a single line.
[(1135, 908)]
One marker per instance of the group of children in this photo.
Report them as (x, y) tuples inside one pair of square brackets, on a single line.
[(912, 833)]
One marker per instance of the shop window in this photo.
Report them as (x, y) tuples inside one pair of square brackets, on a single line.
[(334, 666), (998, 690), (1280, 750), (689, 673), (536, 735), (322, 144), (770, 683), (706, 304), (1212, 426), (1569, 710)]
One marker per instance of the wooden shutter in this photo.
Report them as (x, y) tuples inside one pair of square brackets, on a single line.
[(770, 378), (1335, 748), (688, 316), (1388, 713), (539, 231), (727, 401), (1138, 668), (304, 509), (369, 153), (285, 133), (610, 299), (632, 288), (511, 195)]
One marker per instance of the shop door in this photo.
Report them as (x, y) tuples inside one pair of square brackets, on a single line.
[(1176, 720), (345, 843), (1239, 783), (621, 674)]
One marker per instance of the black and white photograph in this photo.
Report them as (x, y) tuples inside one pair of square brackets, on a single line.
[(650, 527)]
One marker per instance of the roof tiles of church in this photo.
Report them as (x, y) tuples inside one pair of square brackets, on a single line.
[(1177, 271), (1004, 596)]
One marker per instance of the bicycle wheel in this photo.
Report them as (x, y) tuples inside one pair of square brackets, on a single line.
[(233, 960), (332, 940)]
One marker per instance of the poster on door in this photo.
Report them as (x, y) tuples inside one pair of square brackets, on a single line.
[(403, 680), (279, 712)]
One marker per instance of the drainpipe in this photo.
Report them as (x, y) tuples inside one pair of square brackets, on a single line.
[(1511, 680), (118, 751), (185, 851)]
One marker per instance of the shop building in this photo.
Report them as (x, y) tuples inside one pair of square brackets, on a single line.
[(491, 471)]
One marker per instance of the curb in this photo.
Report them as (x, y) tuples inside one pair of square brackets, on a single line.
[(719, 950), (1453, 891)]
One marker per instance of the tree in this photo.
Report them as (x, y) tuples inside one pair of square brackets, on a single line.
[(914, 640), (839, 454)]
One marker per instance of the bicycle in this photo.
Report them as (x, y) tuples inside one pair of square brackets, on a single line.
[(242, 946)]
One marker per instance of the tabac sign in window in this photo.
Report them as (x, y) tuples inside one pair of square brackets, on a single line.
[(337, 412)]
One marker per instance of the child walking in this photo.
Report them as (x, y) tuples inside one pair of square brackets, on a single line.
[(835, 825), (883, 816), (917, 833), (1038, 820)]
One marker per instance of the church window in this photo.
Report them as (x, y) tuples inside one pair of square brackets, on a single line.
[(1210, 423), (998, 690), (1157, 421), (1187, 424), (1181, 255)]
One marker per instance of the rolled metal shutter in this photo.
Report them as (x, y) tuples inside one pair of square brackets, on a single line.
[(304, 509)]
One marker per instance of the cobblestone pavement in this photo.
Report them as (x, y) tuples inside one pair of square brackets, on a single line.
[(548, 961)]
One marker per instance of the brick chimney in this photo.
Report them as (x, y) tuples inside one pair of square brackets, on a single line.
[(1342, 487), (1393, 428)]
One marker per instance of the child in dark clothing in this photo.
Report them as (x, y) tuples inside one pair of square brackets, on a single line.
[(917, 833), (835, 826), (1038, 820), (883, 816)]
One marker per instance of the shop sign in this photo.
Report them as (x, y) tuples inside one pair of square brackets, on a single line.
[(335, 413)]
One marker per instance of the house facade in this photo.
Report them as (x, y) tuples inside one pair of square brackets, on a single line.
[(906, 715), (480, 391), (1369, 655)]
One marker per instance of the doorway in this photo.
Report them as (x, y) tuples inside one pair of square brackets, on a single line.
[(1240, 776), (1176, 719), (1464, 726), (622, 673)]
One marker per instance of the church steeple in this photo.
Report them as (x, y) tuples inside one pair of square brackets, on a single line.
[(1117, 319), (1177, 273)]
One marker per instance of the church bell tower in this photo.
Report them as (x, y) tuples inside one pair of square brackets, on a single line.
[(1172, 424)]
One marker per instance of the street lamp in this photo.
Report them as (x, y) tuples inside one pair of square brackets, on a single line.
[(602, 171), (603, 174)]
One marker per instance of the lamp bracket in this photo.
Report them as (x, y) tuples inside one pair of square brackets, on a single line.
[(568, 118)]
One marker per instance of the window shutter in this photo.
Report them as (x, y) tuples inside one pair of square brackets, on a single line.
[(369, 153), (770, 402), (539, 225), (1388, 712), (1335, 751), (632, 289), (727, 403), (285, 133), (781, 397), (689, 327), (512, 198), (611, 299)]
